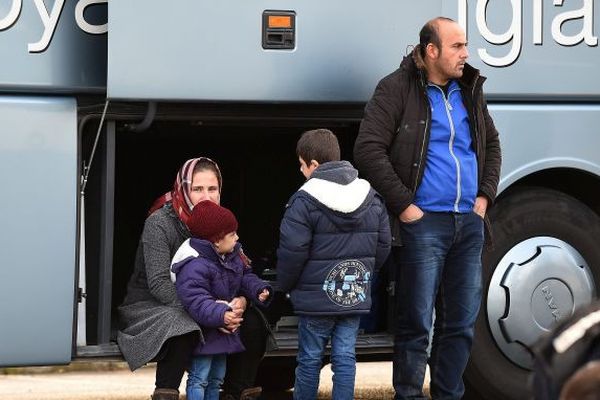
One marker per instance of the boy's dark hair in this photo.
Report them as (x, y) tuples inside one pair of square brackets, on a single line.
[(320, 145)]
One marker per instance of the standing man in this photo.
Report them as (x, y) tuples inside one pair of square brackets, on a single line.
[(428, 144)]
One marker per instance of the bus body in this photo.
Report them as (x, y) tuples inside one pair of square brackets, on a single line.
[(95, 125)]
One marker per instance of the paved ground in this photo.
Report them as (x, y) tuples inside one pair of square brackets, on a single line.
[(118, 383)]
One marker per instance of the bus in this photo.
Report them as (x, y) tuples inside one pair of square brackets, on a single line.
[(101, 102)]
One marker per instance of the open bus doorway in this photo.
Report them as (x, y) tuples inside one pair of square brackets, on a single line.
[(260, 172)]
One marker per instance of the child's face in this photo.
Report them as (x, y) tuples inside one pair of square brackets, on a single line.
[(227, 244), (307, 169)]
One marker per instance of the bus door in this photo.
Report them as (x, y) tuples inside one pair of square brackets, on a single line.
[(38, 210), (50, 52)]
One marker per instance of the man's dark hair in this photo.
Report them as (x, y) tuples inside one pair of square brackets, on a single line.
[(320, 145), (430, 33)]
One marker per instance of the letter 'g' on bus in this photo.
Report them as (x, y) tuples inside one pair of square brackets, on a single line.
[(512, 35)]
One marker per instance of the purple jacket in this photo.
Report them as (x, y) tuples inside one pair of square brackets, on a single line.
[(202, 278)]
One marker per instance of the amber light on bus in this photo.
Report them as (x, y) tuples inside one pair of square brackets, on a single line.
[(280, 21)]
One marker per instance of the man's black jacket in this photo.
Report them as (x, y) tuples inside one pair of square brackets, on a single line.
[(391, 148)]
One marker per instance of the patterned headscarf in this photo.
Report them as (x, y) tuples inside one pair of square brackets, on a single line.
[(180, 195)]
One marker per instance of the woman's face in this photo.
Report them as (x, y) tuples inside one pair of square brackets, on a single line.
[(205, 186)]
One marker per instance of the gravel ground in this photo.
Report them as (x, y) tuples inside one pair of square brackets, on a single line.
[(113, 381)]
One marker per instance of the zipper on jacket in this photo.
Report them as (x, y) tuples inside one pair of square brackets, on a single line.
[(475, 125), (427, 119), (448, 108), (475, 89)]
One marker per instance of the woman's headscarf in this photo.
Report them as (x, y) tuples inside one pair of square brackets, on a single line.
[(180, 195)]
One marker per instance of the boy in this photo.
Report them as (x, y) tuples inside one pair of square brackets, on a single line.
[(210, 271), (334, 235)]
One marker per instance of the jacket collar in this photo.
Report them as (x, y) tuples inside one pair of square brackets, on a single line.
[(414, 64)]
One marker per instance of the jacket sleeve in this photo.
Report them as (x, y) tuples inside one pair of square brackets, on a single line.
[(493, 158), (384, 241), (194, 292), (294, 244), (375, 137), (252, 286), (157, 261)]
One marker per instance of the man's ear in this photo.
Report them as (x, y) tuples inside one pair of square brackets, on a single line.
[(314, 163), (432, 51)]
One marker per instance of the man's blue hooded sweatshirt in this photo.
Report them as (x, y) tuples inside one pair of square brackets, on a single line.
[(450, 178)]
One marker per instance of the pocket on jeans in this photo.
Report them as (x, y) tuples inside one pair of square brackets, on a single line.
[(319, 325)]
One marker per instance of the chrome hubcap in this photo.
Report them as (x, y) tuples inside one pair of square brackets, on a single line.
[(537, 283)]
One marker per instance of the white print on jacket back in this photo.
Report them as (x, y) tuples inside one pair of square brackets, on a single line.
[(347, 283)]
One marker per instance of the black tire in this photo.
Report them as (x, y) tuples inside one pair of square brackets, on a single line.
[(276, 373), (525, 213)]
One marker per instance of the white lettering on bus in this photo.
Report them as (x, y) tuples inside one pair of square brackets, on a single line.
[(12, 16), (83, 24), (587, 32), (50, 20), (538, 15), (514, 33)]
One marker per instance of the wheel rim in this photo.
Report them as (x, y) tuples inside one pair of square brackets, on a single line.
[(537, 283)]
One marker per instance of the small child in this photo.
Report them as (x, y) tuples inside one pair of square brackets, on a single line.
[(210, 270), (334, 235)]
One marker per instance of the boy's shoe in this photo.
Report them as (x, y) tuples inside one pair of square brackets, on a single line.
[(165, 394)]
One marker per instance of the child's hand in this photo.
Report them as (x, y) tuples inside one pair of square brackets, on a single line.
[(263, 296)]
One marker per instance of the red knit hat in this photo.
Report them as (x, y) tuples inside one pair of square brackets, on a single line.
[(211, 222)]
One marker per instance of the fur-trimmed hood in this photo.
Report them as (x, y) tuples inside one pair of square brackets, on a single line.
[(336, 185), (336, 189)]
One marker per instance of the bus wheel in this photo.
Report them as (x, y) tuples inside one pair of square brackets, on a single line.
[(545, 263)]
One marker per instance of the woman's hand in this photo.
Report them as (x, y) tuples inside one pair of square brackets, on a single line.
[(232, 320), (238, 305)]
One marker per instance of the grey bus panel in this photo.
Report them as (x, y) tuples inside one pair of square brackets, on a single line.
[(200, 51), (204, 51), (38, 174)]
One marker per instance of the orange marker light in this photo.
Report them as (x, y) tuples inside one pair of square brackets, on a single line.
[(280, 21)]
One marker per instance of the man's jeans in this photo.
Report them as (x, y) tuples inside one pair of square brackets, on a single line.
[(438, 265), (313, 335), (205, 377)]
